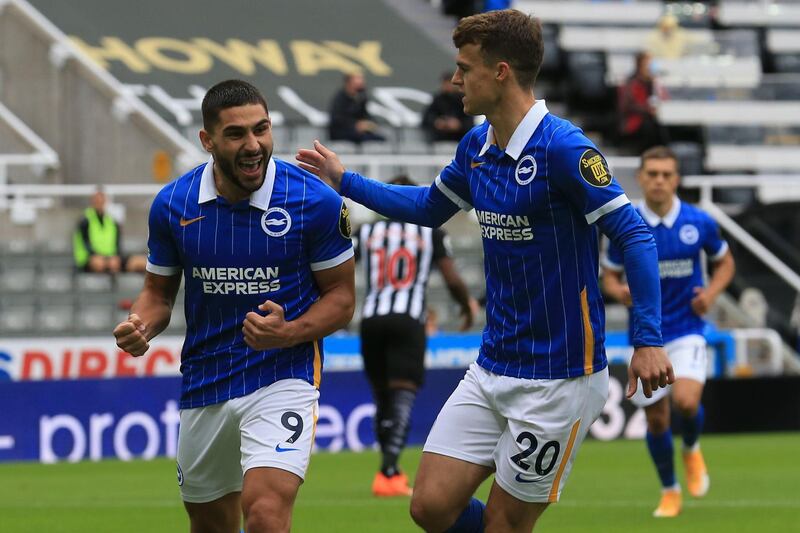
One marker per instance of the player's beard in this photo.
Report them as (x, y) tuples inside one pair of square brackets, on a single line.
[(246, 184)]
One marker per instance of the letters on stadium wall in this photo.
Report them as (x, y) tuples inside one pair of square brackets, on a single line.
[(297, 66), (78, 399)]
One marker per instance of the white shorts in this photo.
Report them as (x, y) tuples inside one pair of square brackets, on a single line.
[(689, 358), (271, 427), (528, 430)]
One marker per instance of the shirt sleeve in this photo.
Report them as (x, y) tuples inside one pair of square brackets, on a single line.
[(329, 233), (452, 180), (713, 244), (584, 177), (163, 257)]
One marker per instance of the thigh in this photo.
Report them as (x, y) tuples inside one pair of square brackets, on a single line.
[(505, 513), (223, 515), (373, 349), (208, 453), (405, 351), (547, 422), (277, 425)]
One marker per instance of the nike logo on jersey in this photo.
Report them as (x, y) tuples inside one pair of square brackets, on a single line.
[(281, 450), (476, 164), (521, 479), (185, 222)]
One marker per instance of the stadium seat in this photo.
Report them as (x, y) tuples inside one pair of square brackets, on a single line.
[(88, 282), (17, 317), (413, 147), (55, 281), (445, 148), (376, 147), (56, 318), (342, 147)]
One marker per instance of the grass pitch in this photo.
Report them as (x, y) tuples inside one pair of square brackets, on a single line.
[(755, 486)]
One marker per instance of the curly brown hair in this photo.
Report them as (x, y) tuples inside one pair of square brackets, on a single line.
[(505, 35)]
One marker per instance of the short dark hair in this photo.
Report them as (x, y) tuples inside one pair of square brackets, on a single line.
[(659, 152), (505, 35), (401, 179), (225, 94)]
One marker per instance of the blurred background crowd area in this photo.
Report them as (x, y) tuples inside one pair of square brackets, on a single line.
[(107, 95)]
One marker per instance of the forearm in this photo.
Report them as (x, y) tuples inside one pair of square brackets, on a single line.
[(459, 293), (418, 205), (330, 313), (722, 276), (613, 286), (154, 310), (626, 228)]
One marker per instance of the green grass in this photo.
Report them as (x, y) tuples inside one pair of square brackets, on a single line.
[(755, 486)]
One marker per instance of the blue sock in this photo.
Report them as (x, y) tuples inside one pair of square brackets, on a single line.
[(661, 451), (470, 520), (692, 427)]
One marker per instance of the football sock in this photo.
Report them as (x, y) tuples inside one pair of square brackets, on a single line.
[(396, 428), (692, 428), (381, 414), (661, 450), (470, 520)]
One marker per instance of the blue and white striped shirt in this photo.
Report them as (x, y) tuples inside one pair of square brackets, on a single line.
[(680, 237), (234, 257), (537, 202)]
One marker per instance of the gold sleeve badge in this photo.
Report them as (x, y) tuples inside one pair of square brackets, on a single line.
[(344, 221), (594, 169)]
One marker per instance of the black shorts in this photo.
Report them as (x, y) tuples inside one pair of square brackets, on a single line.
[(393, 347)]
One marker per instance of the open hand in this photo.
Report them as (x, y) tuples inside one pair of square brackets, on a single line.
[(651, 365), (323, 163)]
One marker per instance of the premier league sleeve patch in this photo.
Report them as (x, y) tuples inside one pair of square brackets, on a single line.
[(594, 169), (344, 221)]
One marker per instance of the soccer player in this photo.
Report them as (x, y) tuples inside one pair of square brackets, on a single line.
[(267, 261), (682, 232), (540, 188), (398, 259)]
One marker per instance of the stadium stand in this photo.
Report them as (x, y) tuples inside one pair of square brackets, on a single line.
[(139, 97)]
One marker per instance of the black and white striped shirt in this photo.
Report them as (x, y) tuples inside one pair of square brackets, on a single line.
[(398, 257)]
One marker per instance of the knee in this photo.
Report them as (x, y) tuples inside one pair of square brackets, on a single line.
[(266, 515), (687, 407), (432, 514), (658, 424)]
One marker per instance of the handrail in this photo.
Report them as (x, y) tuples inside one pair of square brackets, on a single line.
[(28, 135), (126, 99), (706, 185)]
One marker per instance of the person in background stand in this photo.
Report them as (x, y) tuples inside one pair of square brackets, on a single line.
[(444, 119), (350, 120)]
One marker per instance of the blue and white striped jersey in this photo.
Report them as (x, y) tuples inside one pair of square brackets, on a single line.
[(234, 257), (680, 237), (536, 204)]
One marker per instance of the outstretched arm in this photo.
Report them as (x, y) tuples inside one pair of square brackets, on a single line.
[(426, 206)]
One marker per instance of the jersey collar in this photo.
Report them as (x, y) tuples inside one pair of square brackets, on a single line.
[(260, 198), (652, 218), (522, 134)]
